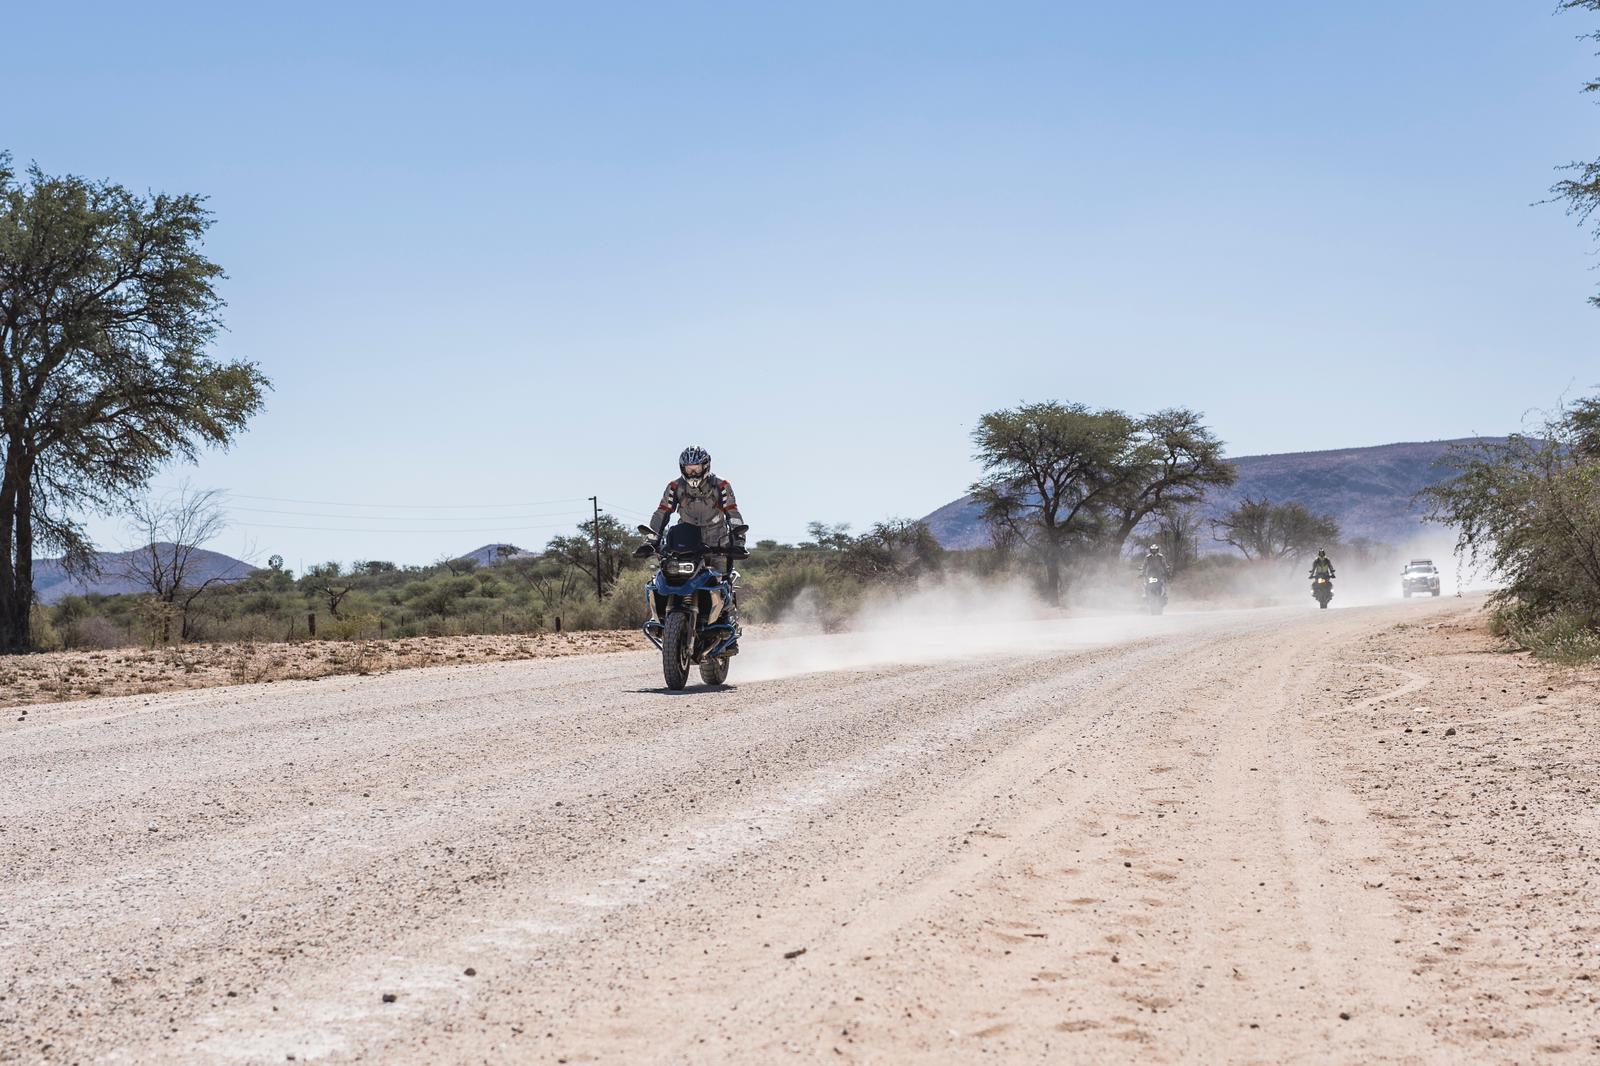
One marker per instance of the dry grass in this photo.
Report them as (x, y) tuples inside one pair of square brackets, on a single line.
[(76, 675)]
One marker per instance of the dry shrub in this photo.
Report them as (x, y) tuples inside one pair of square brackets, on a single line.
[(45, 636), (351, 626), (97, 632)]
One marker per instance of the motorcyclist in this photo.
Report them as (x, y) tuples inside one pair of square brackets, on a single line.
[(1155, 564), (1322, 566), (702, 499)]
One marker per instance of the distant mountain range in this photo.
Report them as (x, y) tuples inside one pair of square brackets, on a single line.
[(1367, 490), (52, 584)]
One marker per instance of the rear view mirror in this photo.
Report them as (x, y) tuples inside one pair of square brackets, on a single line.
[(647, 531), (738, 530)]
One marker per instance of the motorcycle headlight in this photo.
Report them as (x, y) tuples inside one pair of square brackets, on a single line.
[(683, 569)]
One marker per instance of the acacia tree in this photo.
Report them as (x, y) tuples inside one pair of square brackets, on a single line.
[(1177, 459), (900, 549), (1176, 528), (171, 533), (328, 583), (554, 582), (616, 549), (834, 538), (1052, 471), (1262, 530), (107, 307)]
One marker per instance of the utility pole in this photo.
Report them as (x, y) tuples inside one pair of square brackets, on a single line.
[(599, 586)]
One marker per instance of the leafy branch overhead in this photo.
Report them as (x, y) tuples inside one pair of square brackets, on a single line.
[(1581, 191)]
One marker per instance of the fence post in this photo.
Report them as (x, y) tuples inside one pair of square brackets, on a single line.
[(311, 622)]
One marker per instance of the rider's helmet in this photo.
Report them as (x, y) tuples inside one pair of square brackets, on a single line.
[(1322, 553), (694, 463), (1155, 549)]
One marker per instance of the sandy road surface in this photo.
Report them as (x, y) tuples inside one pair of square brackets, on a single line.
[(1201, 841)]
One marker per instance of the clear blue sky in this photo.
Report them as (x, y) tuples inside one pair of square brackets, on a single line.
[(493, 255)]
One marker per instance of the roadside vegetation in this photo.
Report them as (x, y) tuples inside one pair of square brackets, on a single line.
[(514, 593), (1529, 509)]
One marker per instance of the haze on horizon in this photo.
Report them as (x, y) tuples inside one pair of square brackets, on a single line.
[(500, 258)]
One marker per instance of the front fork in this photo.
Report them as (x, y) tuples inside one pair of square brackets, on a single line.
[(727, 627), (654, 627)]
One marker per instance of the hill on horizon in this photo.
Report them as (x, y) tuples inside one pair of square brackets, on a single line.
[(109, 577), (1369, 491), (494, 554)]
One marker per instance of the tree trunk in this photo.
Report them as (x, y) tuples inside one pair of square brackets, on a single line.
[(1052, 573), (16, 556)]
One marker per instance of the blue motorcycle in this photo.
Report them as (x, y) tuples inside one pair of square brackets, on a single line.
[(694, 608)]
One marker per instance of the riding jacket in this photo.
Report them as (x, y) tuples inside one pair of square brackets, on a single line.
[(709, 505)]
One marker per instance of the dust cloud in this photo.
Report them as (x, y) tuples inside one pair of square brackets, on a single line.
[(966, 617), (938, 621)]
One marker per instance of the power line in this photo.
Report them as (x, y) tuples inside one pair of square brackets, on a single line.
[(409, 518), (401, 506), (624, 510), (343, 529)]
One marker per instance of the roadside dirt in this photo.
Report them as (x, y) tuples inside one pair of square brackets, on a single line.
[(1200, 839), (54, 677), (1481, 767)]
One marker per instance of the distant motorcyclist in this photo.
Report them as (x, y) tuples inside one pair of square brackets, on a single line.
[(1322, 566), (702, 499), (1155, 564)]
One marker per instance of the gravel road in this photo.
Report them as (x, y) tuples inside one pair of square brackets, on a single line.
[(1104, 840)]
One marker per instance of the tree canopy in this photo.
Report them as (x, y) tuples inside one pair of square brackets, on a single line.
[(1064, 477), (1261, 529)]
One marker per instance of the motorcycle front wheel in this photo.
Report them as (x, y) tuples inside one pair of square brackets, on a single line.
[(677, 646)]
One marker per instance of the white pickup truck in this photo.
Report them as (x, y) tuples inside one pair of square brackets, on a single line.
[(1419, 576)]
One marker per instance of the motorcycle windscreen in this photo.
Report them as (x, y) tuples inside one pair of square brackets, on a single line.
[(684, 539)]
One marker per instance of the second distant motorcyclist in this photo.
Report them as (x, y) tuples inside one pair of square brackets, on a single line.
[(702, 499), (1155, 564), (1322, 566)]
